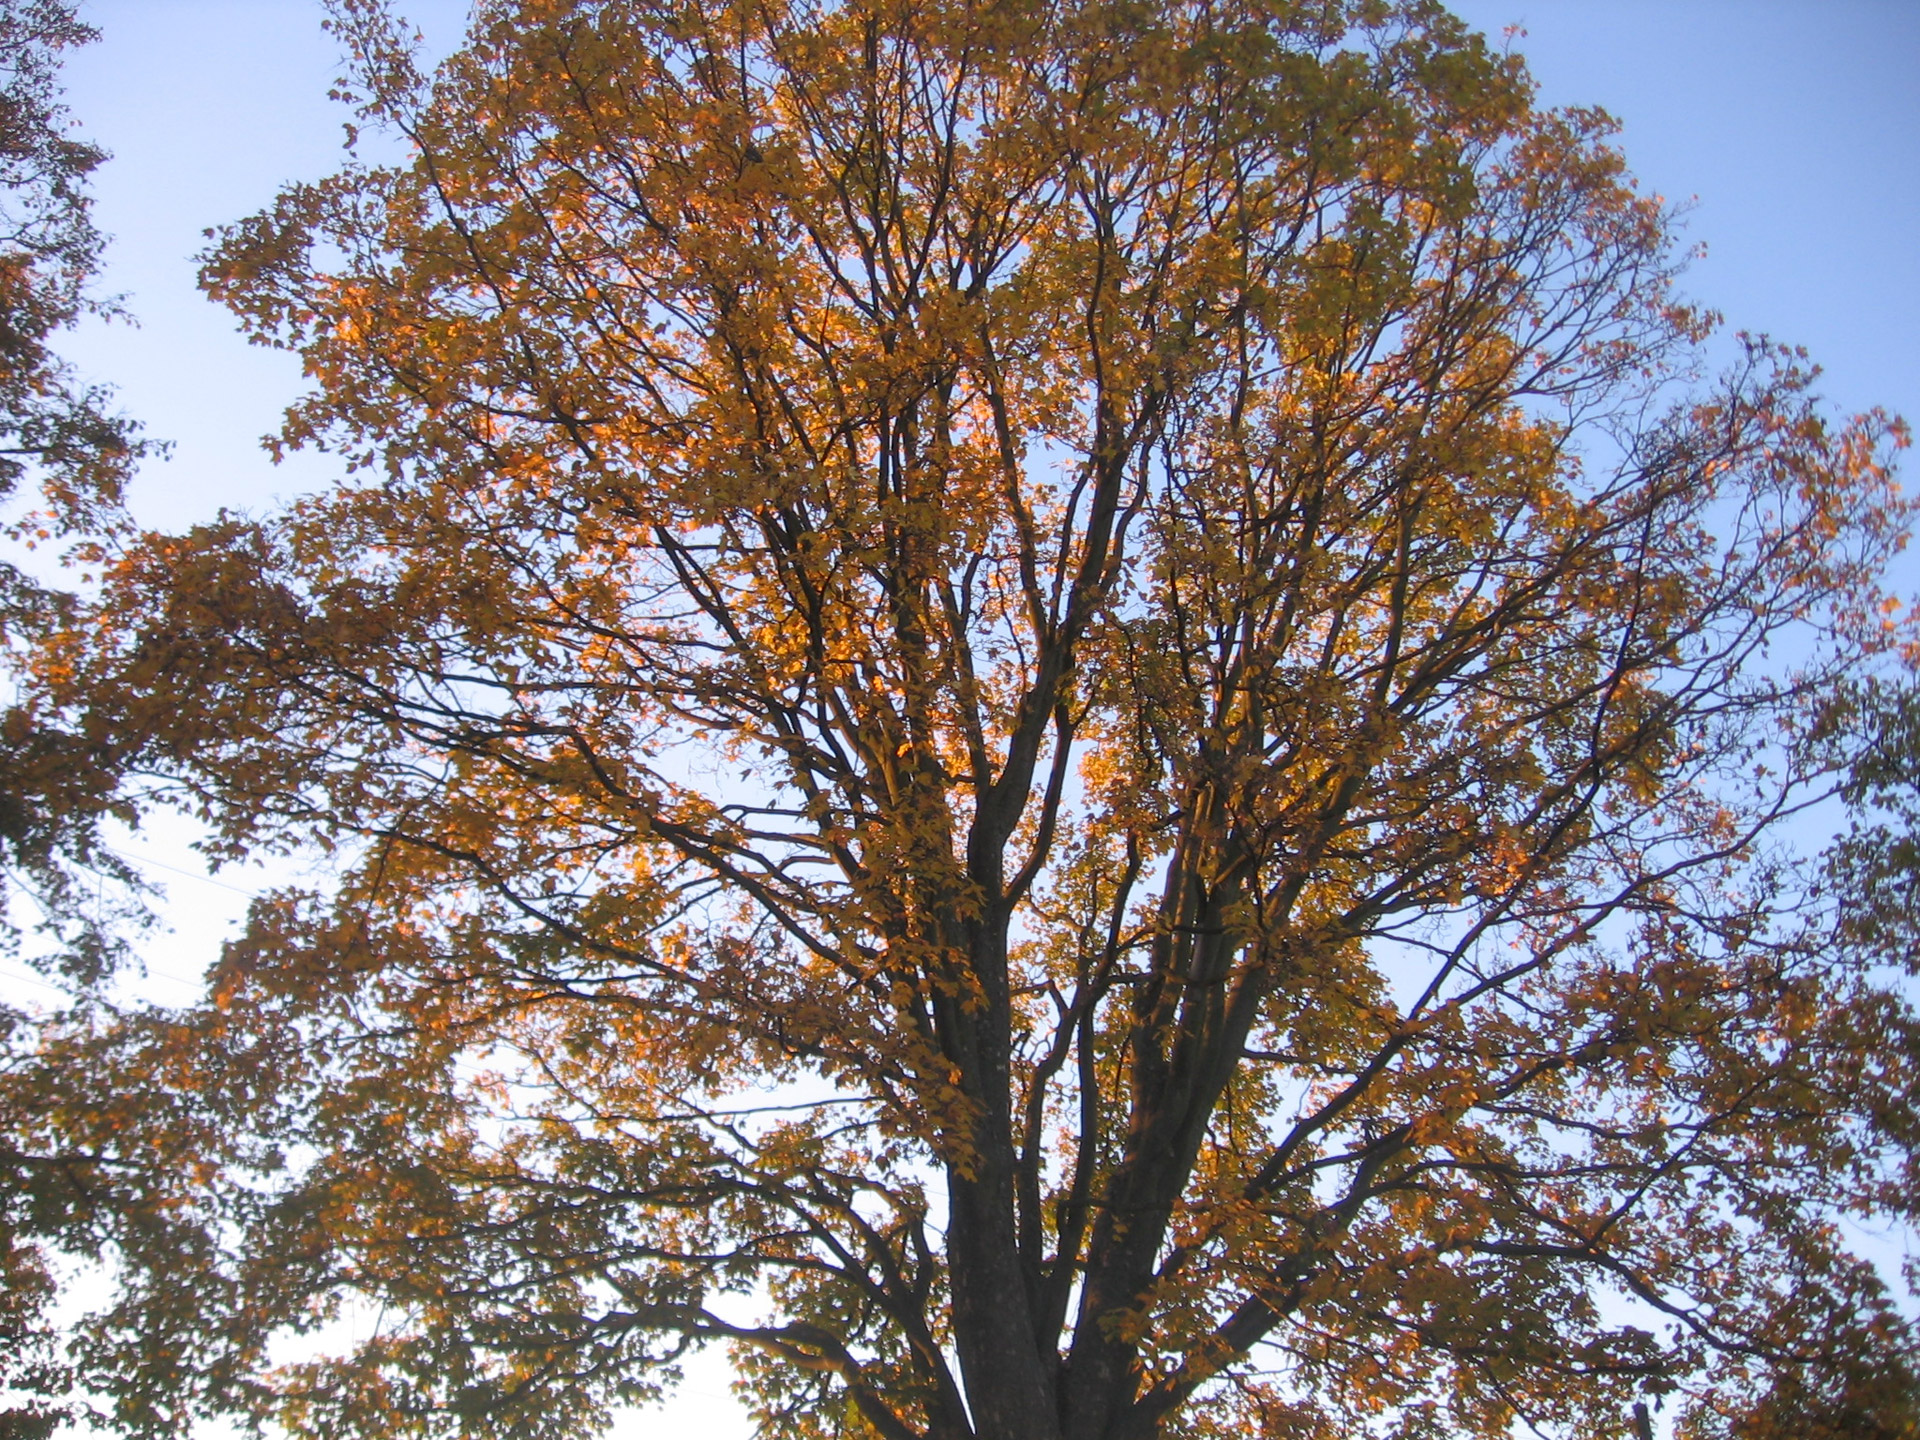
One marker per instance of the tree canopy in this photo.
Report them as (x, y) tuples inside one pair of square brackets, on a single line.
[(63, 460), (1070, 717), (52, 429), (64, 457)]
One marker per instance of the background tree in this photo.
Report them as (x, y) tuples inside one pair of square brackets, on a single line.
[(57, 438), (51, 430), (1866, 935), (1047, 711), (63, 461)]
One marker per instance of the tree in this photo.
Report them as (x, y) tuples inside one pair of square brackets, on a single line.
[(1057, 714), (1872, 921), (57, 437), (60, 445), (50, 428)]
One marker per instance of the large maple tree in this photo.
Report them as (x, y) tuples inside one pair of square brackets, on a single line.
[(1067, 716)]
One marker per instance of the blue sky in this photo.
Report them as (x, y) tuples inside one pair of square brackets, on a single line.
[(1793, 127)]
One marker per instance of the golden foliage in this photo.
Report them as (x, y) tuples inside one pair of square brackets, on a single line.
[(1048, 711)]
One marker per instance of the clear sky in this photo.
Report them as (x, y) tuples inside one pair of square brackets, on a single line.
[(1793, 128), (1793, 125)]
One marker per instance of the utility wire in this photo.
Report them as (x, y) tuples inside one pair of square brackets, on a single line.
[(13, 971), (189, 874)]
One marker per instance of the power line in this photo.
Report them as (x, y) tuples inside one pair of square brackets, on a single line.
[(175, 869)]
